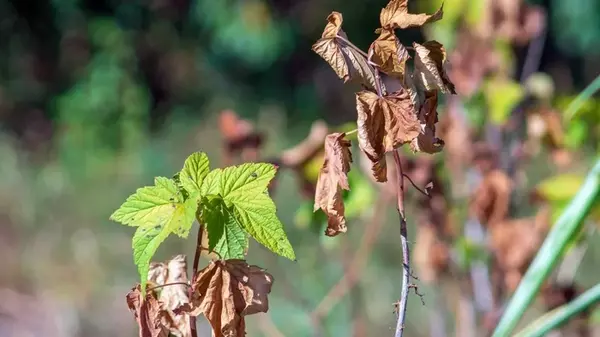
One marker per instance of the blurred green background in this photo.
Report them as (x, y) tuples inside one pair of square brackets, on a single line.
[(98, 97)]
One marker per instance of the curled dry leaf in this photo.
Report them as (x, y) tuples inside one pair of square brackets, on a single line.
[(227, 291), (147, 312), (389, 54), (430, 60), (395, 15), (333, 177), (347, 62), (491, 200), (428, 116), (384, 124)]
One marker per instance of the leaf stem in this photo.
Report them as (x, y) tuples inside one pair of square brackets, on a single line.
[(352, 45), (169, 284), (405, 250), (193, 331)]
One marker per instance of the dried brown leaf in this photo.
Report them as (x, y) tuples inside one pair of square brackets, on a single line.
[(227, 291), (389, 54), (395, 15), (430, 60), (428, 116), (491, 200), (333, 177), (347, 62), (384, 124), (148, 313)]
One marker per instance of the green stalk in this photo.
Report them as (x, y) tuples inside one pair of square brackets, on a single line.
[(551, 320), (569, 223)]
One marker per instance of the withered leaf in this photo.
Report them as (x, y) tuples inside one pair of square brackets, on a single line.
[(389, 54), (333, 177), (430, 60), (384, 124), (148, 313), (395, 15), (227, 291), (347, 62), (491, 200), (428, 116)]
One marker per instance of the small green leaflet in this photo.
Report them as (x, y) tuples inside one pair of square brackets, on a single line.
[(195, 169), (243, 189), (158, 211)]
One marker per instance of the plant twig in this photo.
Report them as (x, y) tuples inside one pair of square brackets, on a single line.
[(405, 250), (416, 187), (193, 331), (351, 45), (168, 284)]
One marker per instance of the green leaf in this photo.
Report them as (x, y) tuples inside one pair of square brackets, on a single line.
[(145, 242), (244, 192), (569, 223), (258, 219), (225, 234), (149, 203), (553, 319), (195, 169), (239, 182), (158, 211)]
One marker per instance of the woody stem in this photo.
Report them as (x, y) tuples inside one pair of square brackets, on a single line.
[(405, 249)]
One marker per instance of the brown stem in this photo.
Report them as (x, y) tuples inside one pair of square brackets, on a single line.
[(168, 284), (405, 250), (351, 45), (193, 331), (415, 185)]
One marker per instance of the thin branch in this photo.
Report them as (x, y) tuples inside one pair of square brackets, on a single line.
[(416, 187), (351, 45), (405, 249), (193, 331), (168, 284), (351, 132)]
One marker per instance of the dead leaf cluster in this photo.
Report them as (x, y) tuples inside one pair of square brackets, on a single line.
[(386, 120), (168, 290), (225, 292)]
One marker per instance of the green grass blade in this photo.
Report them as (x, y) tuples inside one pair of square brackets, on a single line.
[(551, 320), (581, 98), (569, 222)]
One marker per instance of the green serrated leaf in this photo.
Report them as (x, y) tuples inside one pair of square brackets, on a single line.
[(244, 191), (225, 234), (158, 211), (239, 182), (145, 242), (148, 205), (258, 219), (195, 169)]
